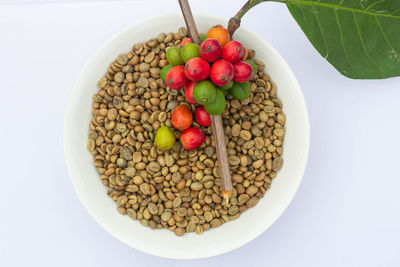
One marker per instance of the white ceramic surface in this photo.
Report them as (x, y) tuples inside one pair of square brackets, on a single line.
[(164, 243)]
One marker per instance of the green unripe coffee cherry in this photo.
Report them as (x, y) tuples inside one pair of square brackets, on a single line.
[(204, 92), (218, 106), (173, 56), (253, 66), (190, 51), (227, 86), (240, 91), (164, 71), (165, 138)]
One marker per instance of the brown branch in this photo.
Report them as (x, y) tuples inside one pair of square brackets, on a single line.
[(224, 170), (233, 25), (189, 20), (234, 22), (216, 121)]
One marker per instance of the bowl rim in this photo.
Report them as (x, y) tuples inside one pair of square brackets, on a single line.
[(68, 154)]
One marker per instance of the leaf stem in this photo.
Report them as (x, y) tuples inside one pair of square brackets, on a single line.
[(234, 22), (246, 7)]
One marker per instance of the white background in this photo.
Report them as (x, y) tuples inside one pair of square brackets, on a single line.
[(347, 209)]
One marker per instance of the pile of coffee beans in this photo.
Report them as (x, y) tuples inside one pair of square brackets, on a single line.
[(180, 189)]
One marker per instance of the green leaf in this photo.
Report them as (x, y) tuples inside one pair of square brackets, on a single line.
[(360, 38)]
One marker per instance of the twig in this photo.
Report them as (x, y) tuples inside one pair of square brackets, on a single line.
[(189, 20), (216, 121), (234, 22), (224, 171), (233, 25)]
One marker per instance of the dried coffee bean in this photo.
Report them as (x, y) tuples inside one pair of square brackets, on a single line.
[(131, 213), (122, 59), (281, 118), (166, 215), (215, 223), (251, 190), (236, 130), (153, 167), (257, 164), (196, 186), (252, 202), (119, 77), (152, 208), (277, 164), (245, 135), (126, 153)]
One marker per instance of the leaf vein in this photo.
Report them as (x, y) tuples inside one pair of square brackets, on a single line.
[(341, 40), (374, 4), (363, 45), (385, 36), (313, 3), (320, 29), (394, 12)]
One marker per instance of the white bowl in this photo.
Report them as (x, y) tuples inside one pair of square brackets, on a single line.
[(164, 243)]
